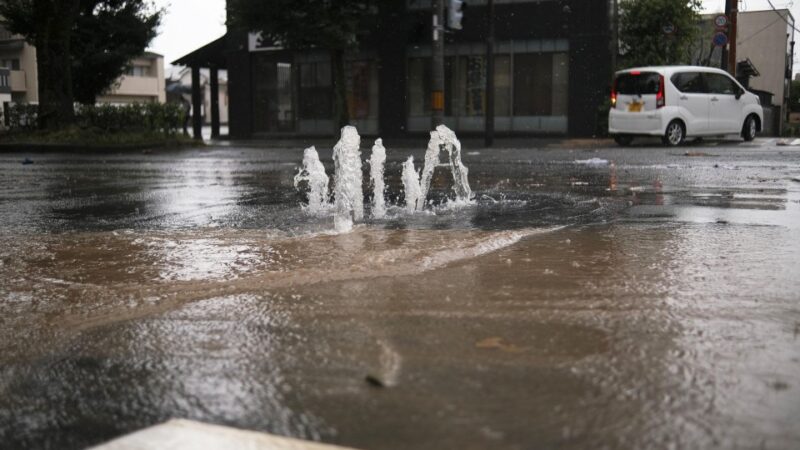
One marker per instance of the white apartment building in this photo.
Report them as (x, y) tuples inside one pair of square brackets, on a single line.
[(143, 82)]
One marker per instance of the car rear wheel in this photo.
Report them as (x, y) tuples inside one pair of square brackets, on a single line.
[(623, 141), (675, 134), (750, 128)]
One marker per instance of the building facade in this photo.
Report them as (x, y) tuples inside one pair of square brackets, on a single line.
[(143, 82), (19, 58), (766, 40), (552, 72)]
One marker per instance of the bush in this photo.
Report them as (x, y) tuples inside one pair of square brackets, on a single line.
[(22, 116), (135, 117)]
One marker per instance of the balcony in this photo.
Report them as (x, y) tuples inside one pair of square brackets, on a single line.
[(137, 86), (18, 80)]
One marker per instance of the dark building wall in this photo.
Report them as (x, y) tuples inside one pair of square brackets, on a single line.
[(240, 92), (391, 48), (584, 23)]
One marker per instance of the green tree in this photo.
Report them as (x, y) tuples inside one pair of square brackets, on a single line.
[(81, 46), (334, 25), (107, 36), (48, 25), (658, 32), (794, 96)]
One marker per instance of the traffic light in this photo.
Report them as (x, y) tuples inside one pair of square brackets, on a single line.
[(455, 13)]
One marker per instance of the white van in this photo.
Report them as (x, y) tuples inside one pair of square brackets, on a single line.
[(676, 102)]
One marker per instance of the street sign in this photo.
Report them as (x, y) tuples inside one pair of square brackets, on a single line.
[(668, 28), (720, 39), (721, 21)]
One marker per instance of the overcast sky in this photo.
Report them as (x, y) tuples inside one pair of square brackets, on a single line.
[(190, 24)]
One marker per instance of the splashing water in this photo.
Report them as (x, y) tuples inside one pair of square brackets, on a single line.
[(313, 172), (431, 161), (349, 202), (460, 171), (443, 139), (376, 164), (411, 186)]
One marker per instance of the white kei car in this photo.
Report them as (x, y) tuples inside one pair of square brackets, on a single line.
[(676, 102)]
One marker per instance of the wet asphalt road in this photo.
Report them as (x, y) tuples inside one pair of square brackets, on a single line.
[(621, 298)]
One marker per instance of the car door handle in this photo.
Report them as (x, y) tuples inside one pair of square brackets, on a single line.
[(683, 97), (714, 99)]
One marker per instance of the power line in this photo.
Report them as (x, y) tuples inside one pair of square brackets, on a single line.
[(775, 10)]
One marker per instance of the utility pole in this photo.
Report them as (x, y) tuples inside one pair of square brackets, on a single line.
[(729, 53), (437, 69), (489, 127), (732, 18)]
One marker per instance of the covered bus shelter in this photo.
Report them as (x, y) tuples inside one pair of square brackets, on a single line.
[(212, 57)]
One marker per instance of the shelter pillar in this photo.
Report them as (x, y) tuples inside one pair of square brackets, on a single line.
[(197, 107), (214, 79)]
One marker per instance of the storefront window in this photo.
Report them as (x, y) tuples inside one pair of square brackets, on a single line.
[(419, 86), (316, 95), (533, 79), (362, 89), (272, 104)]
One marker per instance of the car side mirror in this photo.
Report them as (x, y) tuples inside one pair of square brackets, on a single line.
[(739, 94)]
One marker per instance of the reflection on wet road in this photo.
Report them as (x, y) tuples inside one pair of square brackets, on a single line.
[(589, 299)]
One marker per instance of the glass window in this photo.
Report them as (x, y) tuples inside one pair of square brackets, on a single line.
[(689, 82), (12, 64), (272, 102), (638, 83), (362, 90), (720, 84), (533, 84), (502, 85), (316, 95), (560, 87), (419, 86)]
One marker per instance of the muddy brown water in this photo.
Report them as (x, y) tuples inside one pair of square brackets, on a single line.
[(648, 304)]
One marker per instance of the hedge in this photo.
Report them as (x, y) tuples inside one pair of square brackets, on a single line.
[(166, 118)]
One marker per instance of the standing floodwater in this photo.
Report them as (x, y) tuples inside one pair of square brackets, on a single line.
[(349, 202), (376, 166)]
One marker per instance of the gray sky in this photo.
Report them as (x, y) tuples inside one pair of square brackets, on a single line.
[(187, 25), (190, 24)]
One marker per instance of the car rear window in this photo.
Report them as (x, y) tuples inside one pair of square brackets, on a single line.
[(689, 82), (637, 83)]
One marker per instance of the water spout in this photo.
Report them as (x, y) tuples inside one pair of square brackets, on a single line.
[(431, 161), (376, 166), (444, 139), (460, 171), (349, 202), (313, 172), (411, 186)]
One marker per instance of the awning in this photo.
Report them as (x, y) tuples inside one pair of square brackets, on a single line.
[(209, 55)]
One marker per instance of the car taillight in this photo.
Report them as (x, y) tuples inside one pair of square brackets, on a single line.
[(613, 97), (661, 100)]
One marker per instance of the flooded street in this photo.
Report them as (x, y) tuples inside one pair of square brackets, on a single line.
[(613, 298)]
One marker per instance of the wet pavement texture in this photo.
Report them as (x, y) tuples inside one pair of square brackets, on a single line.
[(620, 298)]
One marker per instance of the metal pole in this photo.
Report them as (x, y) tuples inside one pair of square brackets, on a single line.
[(723, 61), (214, 80), (197, 118), (437, 68), (489, 132), (732, 18)]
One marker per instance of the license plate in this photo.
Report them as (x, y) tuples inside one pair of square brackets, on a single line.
[(635, 107)]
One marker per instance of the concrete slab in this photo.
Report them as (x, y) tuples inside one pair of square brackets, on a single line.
[(180, 434)]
